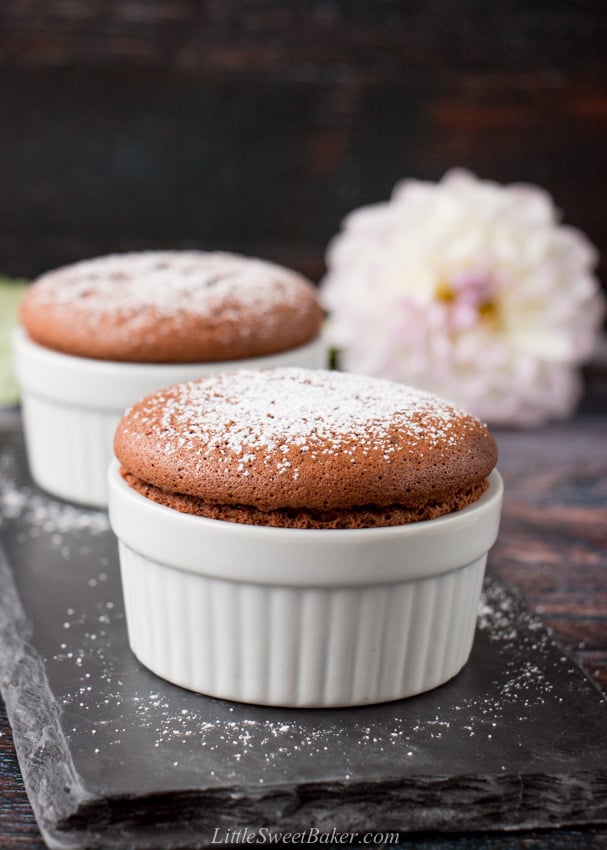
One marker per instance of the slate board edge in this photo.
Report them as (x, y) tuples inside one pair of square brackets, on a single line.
[(396, 806), (74, 818), (44, 743)]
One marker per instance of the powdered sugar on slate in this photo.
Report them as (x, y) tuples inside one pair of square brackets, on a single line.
[(277, 410), (39, 513), (170, 283), (179, 724)]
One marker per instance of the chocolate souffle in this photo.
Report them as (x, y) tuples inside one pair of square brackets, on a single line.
[(297, 448)]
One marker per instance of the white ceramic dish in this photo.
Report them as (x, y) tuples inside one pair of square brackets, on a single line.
[(72, 405), (301, 617)]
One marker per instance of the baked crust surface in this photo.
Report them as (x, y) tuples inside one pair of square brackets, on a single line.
[(304, 448), (171, 307)]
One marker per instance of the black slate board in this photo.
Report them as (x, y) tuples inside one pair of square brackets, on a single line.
[(112, 756)]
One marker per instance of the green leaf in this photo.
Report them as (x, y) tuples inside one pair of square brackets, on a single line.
[(11, 292)]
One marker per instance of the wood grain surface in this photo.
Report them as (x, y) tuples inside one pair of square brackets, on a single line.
[(257, 126)]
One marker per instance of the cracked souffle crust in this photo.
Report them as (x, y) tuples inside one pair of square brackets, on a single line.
[(303, 448), (171, 307)]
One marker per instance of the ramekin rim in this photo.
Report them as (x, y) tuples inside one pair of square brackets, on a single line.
[(93, 363), (491, 495)]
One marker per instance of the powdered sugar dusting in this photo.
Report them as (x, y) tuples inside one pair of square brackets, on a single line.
[(171, 284), (180, 726), (39, 513), (316, 412)]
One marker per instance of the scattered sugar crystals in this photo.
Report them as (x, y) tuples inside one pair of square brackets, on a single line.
[(270, 740), (245, 410), (288, 418), (39, 513), (174, 285)]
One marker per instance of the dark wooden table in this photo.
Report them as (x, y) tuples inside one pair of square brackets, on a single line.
[(552, 547), (255, 126)]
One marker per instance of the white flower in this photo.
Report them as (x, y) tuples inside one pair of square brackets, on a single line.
[(468, 289)]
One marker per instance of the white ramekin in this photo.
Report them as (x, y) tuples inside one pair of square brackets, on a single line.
[(301, 617), (72, 405)]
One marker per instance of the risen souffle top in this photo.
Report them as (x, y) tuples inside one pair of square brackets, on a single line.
[(308, 449), (171, 307)]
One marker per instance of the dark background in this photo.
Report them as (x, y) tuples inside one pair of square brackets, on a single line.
[(255, 126)]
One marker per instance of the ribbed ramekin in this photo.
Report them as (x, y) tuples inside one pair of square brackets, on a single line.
[(301, 617), (72, 405)]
